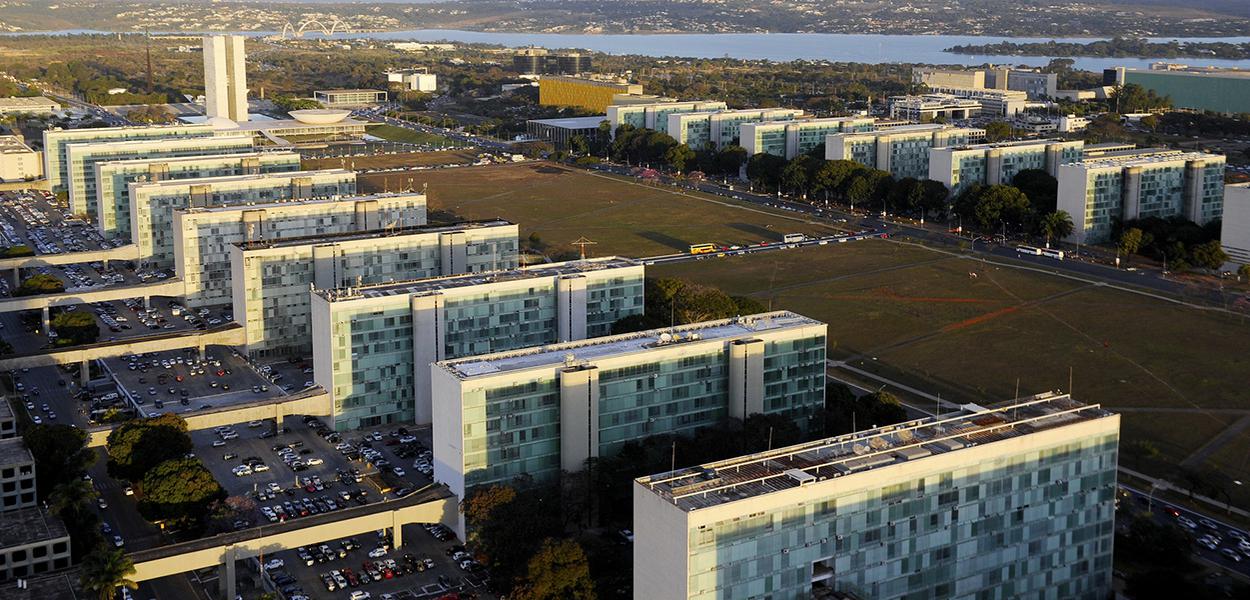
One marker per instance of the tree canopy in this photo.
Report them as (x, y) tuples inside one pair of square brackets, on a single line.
[(559, 571), (678, 302), (178, 489), (39, 284), (105, 570), (77, 327), (137, 446), (60, 453)]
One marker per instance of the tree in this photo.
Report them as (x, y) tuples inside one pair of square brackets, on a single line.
[(558, 571), (1056, 225), (60, 453), (1104, 128), (762, 432), (1039, 187), (137, 446), (71, 502), (289, 103), (833, 176), (39, 284), (153, 113), (1130, 241), (996, 131), (998, 204), (178, 489), (1243, 272), (75, 328), (16, 251), (730, 158), (796, 175), (764, 170), (1150, 122), (1209, 255), (105, 570), (678, 156), (844, 412), (482, 504), (415, 100), (578, 145)]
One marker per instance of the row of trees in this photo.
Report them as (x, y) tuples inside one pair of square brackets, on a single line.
[(1178, 242), (171, 485)]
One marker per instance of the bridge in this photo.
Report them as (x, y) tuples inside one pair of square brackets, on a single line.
[(172, 287), (433, 504), (127, 252), (313, 401), (230, 334), (298, 30)]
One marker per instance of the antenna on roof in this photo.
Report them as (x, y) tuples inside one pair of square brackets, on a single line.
[(582, 242)]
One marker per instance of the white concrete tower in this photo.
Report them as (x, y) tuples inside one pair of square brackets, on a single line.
[(225, 77)]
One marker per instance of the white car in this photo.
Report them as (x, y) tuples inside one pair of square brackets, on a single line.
[(360, 595), (314, 461), (260, 468), (241, 471), (276, 563), (378, 552)]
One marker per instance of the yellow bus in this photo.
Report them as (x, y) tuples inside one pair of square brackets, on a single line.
[(703, 248)]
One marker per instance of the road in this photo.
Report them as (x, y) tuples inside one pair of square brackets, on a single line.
[(1080, 266), (1166, 513)]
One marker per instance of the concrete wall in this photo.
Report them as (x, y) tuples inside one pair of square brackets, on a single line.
[(225, 335), (171, 287), (127, 252)]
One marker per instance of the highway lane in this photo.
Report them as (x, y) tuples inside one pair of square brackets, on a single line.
[(1168, 514)]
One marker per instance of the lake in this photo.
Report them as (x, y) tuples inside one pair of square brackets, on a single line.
[(863, 48)]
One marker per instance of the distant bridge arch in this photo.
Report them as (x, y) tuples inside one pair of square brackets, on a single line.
[(298, 29)]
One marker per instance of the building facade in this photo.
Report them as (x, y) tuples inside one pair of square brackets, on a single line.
[(933, 107), (901, 151), (349, 98), (17, 161), (28, 105), (721, 128), (789, 139), (1135, 184), (203, 236), (225, 77), (17, 476), (1003, 103), (961, 167), (594, 95), (82, 159), (654, 115), (56, 141), (561, 131), (1219, 91), (418, 80), (541, 410), (1235, 229), (540, 61), (270, 280), (153, 203), (113, 178), (1016, 502), (373, 345)]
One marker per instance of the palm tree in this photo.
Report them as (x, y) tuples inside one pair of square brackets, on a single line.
[(105, 570), (1056, 225), (70, 496)]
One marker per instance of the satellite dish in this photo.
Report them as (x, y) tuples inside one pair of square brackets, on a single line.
[(666, 338)]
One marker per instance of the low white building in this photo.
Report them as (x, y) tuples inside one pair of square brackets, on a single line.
[(33, 105), (1071, 123), (418, 80), (17, 161)]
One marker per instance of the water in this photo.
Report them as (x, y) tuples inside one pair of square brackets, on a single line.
[(863, 48)]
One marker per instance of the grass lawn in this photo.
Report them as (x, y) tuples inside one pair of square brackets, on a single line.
[(409, 136), (561, 204), (389, 161)]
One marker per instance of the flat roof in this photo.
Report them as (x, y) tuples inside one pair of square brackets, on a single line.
[(6, 410), (249, 177), (197, 158), (371, 234), (295, 202), (1013, 144), (572, 122), (61, 585), (26, 101), (11, 144), (349, 91), (1142, 156), (594, 348), (274, 124), (29, 525), (13, 452), (743, 477), (433, 284)]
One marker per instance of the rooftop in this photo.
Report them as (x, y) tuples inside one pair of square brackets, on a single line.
[(807, 121), (29, 525), (295, 202), (579, 352), (11, 144), (573, 122), (349, 91), (195, 159), (6, 410), (13, 452), (370, 234), (764, 473), (172, 183), (434, 284), (62, 585), (17, 102), (1014, 144), (1142, 157), (141, 145)]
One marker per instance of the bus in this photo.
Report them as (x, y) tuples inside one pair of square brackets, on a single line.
[(1055, 254), (791, 238), (1030, 250), (704, 248)]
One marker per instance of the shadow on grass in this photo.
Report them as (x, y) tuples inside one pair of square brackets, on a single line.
[(665, 239), (765, 233), (550, 170)]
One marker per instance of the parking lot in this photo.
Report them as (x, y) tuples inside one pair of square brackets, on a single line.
[(180, 382), (310, 470)]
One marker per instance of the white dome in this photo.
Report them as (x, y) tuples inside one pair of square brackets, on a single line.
[(320, 116), (222, 123)]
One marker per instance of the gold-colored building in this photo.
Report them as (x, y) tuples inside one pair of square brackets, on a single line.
[(590, 94)]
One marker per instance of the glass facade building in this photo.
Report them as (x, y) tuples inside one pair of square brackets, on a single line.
[(986, 504), (1136, 184), (961, 167), (372, 345), (536, 412), (113, 179), (82, 158), (655, 115), (55, 142), (720, 128), (271, 280), (203, 236), (153, 203), (901, 151), (789, 139)]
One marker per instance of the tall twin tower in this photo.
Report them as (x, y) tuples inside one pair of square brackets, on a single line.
[(225, 77)]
